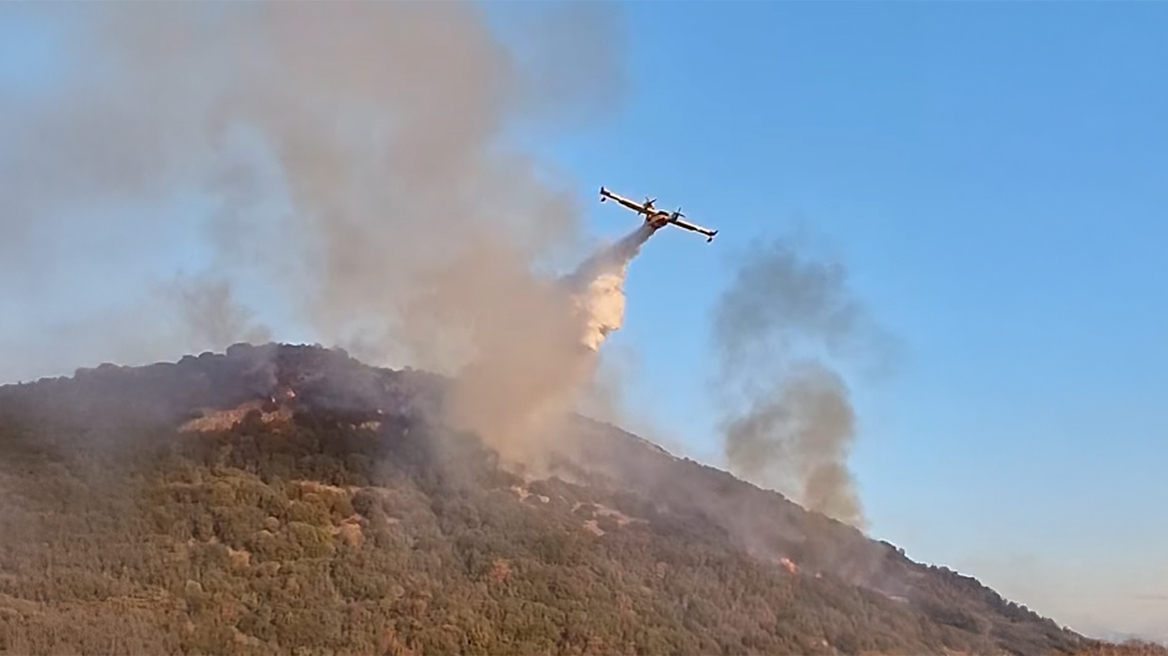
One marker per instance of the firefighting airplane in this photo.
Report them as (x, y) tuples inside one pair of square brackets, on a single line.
[(655, 217)]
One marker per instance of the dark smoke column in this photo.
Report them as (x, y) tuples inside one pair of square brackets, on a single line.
[(788, 420)]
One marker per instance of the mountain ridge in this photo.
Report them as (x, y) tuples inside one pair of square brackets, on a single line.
[(301, 468)]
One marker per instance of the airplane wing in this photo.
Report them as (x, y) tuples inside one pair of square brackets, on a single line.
[(695, 228), (632, 205)]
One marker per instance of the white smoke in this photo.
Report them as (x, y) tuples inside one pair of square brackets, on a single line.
[(543, 355), (598, 286)]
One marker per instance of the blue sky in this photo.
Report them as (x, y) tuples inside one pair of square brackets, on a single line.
[(995, 176)]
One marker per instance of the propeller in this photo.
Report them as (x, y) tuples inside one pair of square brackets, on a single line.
[(677, 215)]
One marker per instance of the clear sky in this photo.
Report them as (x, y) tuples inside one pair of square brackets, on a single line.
[(995, 176)]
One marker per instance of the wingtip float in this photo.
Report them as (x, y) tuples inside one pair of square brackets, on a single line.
[(657, 218)]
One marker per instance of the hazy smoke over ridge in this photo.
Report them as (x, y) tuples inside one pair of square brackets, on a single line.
[(348, 163), (541, 357), (791, 422)]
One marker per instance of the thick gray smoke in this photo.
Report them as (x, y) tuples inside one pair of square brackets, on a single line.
[(340, 157), (198, 174), (541, 355), (790, 422), (798, 438)]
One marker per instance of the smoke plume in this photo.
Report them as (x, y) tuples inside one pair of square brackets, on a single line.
[(208, 315), (790, 423), (339, 170), (598, 286), (540, 359)]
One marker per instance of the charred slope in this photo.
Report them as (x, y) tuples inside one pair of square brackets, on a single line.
[(281, 498)]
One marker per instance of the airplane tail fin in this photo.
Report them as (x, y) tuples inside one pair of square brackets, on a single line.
[(602, 194), (711, 237)]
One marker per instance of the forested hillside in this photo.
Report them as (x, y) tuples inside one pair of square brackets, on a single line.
[(283, 499)]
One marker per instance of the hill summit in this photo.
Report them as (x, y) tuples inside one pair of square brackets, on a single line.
[(290, 499)]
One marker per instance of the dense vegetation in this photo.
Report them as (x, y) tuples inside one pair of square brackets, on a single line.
[(331, 517)]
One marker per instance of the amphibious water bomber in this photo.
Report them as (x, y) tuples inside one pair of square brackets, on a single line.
[(657, 218)]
